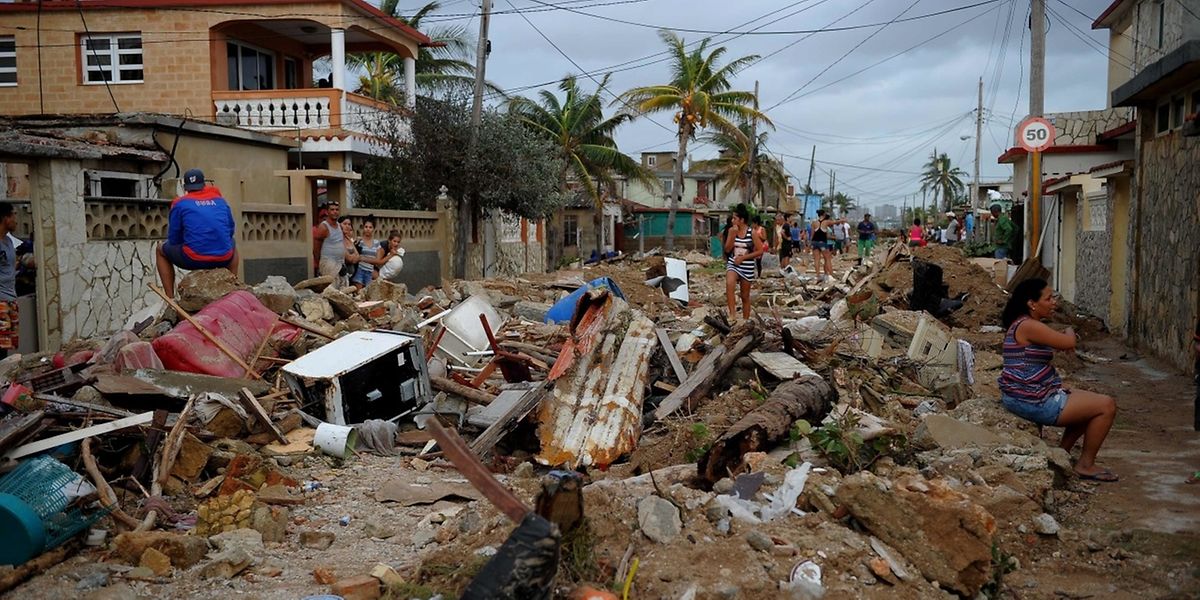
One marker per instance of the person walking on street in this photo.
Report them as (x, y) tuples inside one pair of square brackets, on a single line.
[(969, 225), (200, 232), (764, 246), (916, 235), (329, 252), (1031, 388), (866, 237), (743, 246), (839, 238), (785, 244), (1005, 229), (822, 244)]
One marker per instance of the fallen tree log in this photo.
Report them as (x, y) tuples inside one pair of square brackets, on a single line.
[(38, 565), (709, 370), (107, 496), (808, 396)]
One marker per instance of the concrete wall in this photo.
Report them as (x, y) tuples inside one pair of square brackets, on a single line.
[(1180, 21), (1081, 128), (1093, 257), (1166, 302), (1121, 255)]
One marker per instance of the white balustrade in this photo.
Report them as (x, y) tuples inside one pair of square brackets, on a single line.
[(275, 113)]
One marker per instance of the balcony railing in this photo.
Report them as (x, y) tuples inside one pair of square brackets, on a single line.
[(300, 109)]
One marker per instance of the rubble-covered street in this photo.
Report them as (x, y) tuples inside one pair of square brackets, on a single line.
[(283, 442)]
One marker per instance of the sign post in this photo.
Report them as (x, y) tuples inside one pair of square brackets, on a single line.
[(1035, 134)]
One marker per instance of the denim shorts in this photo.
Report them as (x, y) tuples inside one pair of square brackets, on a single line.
[(1045, 412), (361, 276)]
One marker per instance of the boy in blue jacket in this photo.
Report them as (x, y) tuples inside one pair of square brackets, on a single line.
[(200, 232)]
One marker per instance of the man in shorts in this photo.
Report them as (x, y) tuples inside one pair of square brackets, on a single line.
[(200, 232)]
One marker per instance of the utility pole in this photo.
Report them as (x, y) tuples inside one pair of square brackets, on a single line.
[(752, 162), (978, 147), (1037, 92), (812, 163), (466, 206)]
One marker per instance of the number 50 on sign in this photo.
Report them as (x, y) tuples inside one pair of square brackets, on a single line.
[(1035, 134)]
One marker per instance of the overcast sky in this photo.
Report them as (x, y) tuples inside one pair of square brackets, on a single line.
[(888, 117)]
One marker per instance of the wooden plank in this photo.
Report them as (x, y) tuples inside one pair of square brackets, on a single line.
[(16, 430), (669, 348), (305, 326), (250, 403), (79, 434), (711, 367), (780, 365), (664, 386), (108, 410), (482, 446)]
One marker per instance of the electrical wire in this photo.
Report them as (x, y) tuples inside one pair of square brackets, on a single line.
[(115, 67)]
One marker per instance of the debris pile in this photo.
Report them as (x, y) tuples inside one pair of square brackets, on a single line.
[(601, 429)]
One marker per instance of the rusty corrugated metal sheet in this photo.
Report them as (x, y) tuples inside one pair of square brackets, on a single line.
[(594, 413)]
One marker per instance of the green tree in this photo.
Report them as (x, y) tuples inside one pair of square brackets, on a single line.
[(700, 95), (944, 180), (732, 164), (844, 204), (575, 124), (513, 169), (444, 67)]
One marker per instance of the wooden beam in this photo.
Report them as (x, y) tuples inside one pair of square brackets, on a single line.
[(710, 369), (108, 410), (79, 434), (256, 410), (669, 349), (471, 394), (482, 446), (305, 326)]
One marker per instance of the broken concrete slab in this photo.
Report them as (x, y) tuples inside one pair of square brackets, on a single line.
[(780, 365), (178, 384), (948, 433), (276, 294), (412, 493), (384, 290), (343, 305), (941, 531), (531, 311), (183, 550), (316, 284), (200, 288), (316, 308)]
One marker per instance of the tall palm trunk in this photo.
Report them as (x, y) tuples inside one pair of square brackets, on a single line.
[(677, 193), (554, 236), (597, 227)]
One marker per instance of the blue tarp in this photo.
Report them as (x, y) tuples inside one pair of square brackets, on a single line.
[(564, 309)]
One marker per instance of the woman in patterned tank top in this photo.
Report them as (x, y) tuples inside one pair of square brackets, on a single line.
[(1031, 389), (742, 246)]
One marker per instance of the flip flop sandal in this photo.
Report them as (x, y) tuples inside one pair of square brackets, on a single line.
[(1104, 476), (1195, 478)]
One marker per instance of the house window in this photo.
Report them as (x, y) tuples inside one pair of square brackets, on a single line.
[(250, 68), (115, 184), (1177, 110), (112, 58), (1195, 102), (8, 60), (1162, 119), (650, 161), (570, 230), (701, 189), (291, 73), (668, 186)]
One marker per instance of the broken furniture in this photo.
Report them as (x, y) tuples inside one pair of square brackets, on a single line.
[(362, 375), (35, 509), (461, 341)]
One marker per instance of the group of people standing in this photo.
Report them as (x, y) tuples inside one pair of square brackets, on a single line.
[(744, 241), (352, 260)]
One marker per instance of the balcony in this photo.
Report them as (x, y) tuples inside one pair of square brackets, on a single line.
[(301, 110)]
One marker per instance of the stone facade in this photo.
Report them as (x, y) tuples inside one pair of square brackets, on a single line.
[(1179, 24), (1166, 271), (1081, 128), (1092, 265)]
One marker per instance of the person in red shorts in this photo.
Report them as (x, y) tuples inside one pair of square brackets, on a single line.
[(200, 232)]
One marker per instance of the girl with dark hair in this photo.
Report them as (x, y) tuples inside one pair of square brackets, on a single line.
[(742, 246), (350, 262), (1031, 388), (822, 245), (370, 254)]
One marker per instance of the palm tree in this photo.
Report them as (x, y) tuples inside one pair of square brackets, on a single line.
[(732, 164), (942, 179), (576, 124), (699, 95), (844, 204), (446, 65)]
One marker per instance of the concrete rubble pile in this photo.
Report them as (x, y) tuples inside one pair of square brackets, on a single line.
[(838, 444)]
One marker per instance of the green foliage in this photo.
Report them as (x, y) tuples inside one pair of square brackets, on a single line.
[(944, 180), (842, 446), (512, 169), (579, 561), (732, 166), (701, 435), (1002, 564), (980, 249)]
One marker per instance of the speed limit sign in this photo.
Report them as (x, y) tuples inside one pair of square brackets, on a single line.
[(1035, 134)]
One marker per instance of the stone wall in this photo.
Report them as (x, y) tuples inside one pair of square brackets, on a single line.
[(1166, 302), (1081, 128), (1093, 255), (1180, 24)]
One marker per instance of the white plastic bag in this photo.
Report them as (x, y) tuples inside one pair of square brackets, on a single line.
[(391, 269)]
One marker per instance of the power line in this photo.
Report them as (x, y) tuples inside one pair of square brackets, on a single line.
[(754, 32), (843, 56), (891, 57), (104, 75)]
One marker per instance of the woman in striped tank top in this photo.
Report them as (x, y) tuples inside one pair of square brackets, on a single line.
[(742, 246), (1031, 389)]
